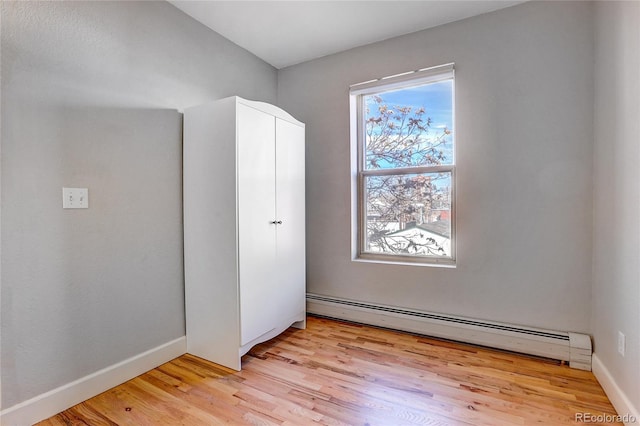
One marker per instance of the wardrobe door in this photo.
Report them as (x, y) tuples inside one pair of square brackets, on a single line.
[(290, 210), (256, 214)]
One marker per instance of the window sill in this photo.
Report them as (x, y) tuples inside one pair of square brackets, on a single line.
[(448, 263)]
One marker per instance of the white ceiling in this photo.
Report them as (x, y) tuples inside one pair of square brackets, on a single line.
[(285, 33)]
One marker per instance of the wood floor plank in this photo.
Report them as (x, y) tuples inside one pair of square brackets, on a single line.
[(336, 373)]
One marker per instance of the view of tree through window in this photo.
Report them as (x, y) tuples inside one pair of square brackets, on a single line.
[(407, 170)]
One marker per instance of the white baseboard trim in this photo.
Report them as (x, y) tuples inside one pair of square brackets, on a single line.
[(50, 403), (618, 398)]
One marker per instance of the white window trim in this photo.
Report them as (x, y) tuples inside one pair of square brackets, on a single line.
[(356, 94)]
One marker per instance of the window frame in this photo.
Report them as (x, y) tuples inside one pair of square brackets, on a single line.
[(359, 173)]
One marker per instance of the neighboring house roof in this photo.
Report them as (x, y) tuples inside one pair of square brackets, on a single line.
[(439, 227)]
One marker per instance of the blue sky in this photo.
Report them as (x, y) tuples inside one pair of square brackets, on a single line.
[(435, 98)]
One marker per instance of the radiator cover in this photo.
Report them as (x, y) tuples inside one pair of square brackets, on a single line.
[(574, 348)]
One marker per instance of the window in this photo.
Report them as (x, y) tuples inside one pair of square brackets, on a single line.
[(403, 167)]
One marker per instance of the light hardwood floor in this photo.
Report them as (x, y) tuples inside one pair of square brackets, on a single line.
[(336, 373)]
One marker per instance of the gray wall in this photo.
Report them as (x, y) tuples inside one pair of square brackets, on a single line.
[(90, 93), (616, 265), (524, 94)]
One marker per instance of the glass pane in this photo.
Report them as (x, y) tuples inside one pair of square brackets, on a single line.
[(409, 127), (408, 214)]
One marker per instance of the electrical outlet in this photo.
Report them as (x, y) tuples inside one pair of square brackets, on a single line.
[(75, 198), (621, 343)]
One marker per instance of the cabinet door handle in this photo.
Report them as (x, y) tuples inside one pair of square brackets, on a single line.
[(276, 222)]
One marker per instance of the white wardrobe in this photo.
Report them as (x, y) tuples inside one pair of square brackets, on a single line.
[(244, 226)]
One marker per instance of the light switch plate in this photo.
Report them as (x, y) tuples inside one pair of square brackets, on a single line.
[(75, 198)]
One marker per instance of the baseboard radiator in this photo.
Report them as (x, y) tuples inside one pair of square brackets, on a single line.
[(573, 348)]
